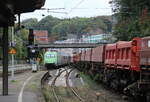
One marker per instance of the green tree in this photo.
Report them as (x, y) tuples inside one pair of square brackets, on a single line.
[(21, 42), (30, 23), (81, 26), (62, 27), (132, 18), (47, 23)]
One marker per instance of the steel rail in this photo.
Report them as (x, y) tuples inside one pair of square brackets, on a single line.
[(53, 85), (44, 78), (72, 89), (103, 96)]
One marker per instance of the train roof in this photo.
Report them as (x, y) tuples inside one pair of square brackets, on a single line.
[(148, 37), (51, 52), (64, 54), (55, 52)]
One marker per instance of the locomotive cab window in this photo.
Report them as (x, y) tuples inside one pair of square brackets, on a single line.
[(50, 56)]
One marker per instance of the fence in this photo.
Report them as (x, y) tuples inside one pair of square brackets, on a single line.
[(15, 62)]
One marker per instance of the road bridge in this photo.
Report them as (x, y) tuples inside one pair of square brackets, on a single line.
[(66, 45)]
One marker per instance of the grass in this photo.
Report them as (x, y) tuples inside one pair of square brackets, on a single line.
[(13, 81), (48, 95), (33, 86), (64, 94), (89, 81), (91, 84)]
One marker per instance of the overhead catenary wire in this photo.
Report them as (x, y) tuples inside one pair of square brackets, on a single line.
[(90, 8), (57, 12), (76, 6), (73, 8), (51, 8)]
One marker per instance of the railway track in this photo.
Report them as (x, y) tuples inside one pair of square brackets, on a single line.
[(44, 78), (97, 94), (60, 89), (71, 88), (53, 84)]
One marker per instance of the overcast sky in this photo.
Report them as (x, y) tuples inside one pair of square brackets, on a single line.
[(72, 8)]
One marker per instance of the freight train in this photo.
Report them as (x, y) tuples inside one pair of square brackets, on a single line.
[(54, 59), (123, 66)]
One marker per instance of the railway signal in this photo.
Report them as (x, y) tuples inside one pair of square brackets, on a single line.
[(30, 43), (31, 37)]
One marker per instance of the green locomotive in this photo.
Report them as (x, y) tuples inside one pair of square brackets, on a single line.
[(54, 59)]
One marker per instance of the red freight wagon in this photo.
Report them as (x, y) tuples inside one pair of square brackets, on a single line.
[(76, 58), (82, 55), (110, 55), (88, 55), (124, 54), (128, 54), (145, 53), (98, 54)]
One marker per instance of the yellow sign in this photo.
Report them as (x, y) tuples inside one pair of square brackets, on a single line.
[(12, 51)]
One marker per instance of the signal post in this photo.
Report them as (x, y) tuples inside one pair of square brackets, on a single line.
[(32, 51)]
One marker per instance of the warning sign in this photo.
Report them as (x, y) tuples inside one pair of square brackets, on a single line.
[(12, 51)]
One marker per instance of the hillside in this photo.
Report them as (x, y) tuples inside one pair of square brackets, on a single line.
[(60, 28)]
